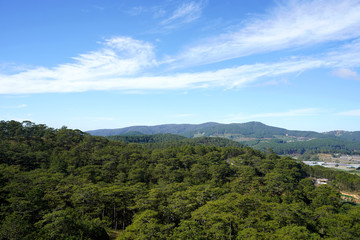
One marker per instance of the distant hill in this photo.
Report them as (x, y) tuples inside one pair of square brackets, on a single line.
[(254, 134), (178, 129), (320, 145), (143, 138), (351, 136), (250, 130), (234, 130), (165, 140)]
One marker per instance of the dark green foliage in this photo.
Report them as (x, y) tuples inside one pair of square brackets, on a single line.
[(342, 180), (66, 184), (250, 129), (254, 134), (350, 136), (324, 145), (140, 138), (170, 140), (211, 141), (178, 129)]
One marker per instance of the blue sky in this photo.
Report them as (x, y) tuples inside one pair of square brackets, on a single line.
[(91, 64)]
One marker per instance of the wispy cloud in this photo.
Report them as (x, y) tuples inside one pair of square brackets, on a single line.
[(119, 57), (97, 119), (10, 68), (346, 56), (136, 11), (105, 70), (156, 11), (14, 107), (353, 113), (291, 24), (185, 13), (290, 113), (122, 62), (346, 73), (272, 83), (182, 115)]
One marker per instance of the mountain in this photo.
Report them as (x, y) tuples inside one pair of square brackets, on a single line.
[(178, 129), (351, 136), (165, 140), (250, 130), (234, 130), (254, 134), (143, 138)]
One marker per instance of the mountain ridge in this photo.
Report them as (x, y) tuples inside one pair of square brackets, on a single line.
[(251, 129), (162, 128), (254, 134)]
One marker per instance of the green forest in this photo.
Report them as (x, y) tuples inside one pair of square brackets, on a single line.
[(254, 134), (321, 145), (165, 140), (67, 184)]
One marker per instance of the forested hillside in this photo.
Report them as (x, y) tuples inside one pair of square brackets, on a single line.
[(178, 129), (254, 134), (313, 146), (67, 184), (351, 136), (322, 145), (143, 138), (171, 140), (249, 130)]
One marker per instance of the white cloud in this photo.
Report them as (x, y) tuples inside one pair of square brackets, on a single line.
[(272, 83), (14, 107), (10, 68), (186, 13), (290, 113), (182, 115), (291, 24), (346, 73), (106, 70), (136, 11), (346, 56), (122, 62), (98, 119), (119, 57), (353, 113)]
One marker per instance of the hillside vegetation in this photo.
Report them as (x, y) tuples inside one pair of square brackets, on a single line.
[(67, 184), (322, 145), (167, 140), (254, 134)]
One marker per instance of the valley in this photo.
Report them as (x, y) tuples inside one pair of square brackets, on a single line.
[(349, 163)]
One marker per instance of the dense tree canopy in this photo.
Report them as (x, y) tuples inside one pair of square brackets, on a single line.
[(322, 145), (66, 184)]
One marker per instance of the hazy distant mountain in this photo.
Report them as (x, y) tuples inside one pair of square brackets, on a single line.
[(165, 140), (179, 129), (351, 136), (246, 130), (254, 134), (250, 130)]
